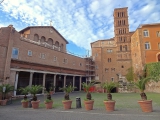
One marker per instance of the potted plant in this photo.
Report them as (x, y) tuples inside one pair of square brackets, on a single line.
[(109, 103), (24, 91), (146, 105), (5, 89), (88, 101), (67, 102), (34, 90), (49, 101), (51, 89)]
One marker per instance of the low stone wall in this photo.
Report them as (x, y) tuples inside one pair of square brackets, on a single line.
[(153, 87)]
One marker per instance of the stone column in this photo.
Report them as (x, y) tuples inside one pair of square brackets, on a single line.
[(73, 81), (55, 82), (80, 82), (30, 79), (16, 83), (44, 80), (64, 81)]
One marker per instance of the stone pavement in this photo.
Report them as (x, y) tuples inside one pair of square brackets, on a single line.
[(16, 112)]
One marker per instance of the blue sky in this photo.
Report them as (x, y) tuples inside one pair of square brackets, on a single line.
[(79, 21)]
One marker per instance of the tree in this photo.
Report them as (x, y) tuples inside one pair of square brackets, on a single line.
[(130, 75)]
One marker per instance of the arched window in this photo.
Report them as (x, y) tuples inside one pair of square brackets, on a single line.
[(118, 14), (120, 47), (50, 41), (61, 47), (147, 45), (43, 39), (125, 47), (158, 58), (57, 44), (122, 14), (36, 37)]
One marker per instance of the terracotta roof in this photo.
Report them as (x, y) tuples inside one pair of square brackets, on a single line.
[(141, 25), (43, 27)]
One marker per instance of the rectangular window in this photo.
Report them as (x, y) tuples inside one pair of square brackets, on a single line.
[(106, 69), (109, 50), (55, 58), (42, 55), (147, 45), (145, 33), (158, 33), (96, 67), (65, 60), (112, 79), (29, 53), (15, 52), (80, 64)]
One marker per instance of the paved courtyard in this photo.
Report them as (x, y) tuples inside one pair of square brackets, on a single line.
[(15, 111)]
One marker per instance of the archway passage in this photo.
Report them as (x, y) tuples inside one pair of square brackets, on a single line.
[(159, 58)]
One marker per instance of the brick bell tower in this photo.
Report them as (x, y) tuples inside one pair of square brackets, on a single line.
[(123, 40)]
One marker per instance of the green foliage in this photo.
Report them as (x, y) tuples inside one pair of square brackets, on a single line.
[(9, 88), (35, 89), (153, 70), (86, 86), (52, 87), (68, 89), (25, 100), (140, 84), (130, 74), (109, 86), (25, 90), (47, 100)]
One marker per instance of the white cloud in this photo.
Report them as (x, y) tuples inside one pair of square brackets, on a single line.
[(81, 21)]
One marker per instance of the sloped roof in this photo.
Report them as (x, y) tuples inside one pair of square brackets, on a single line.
[(43, 27)]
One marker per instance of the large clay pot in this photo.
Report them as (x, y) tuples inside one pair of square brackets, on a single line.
[(89, 104), (3, 102), (67, 104), (35, 104), (25, 104), (109, 105), (48, 105), (146, 105)]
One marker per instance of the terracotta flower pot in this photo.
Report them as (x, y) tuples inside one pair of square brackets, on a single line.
[(109, 105), (35, 104), (3, 102), (25, 104), (89, 104), (67, 104), (48, 105), (146, 105), (51, 92)]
